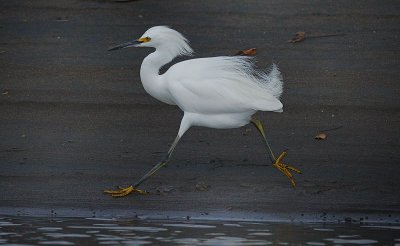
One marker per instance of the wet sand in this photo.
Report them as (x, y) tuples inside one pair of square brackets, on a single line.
[(75, 118)]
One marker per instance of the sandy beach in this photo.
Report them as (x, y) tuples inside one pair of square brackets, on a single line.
[(76, 120)]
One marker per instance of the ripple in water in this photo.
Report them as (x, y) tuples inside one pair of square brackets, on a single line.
[(72, 231)]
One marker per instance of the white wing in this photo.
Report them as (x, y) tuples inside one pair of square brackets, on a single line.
[(221, 85)]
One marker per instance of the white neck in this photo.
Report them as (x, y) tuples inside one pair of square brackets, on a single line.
[(151, 79)]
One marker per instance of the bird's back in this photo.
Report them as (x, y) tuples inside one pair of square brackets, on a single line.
[(223, 84)]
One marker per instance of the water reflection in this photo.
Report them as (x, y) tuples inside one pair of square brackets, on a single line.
[(71, 231)]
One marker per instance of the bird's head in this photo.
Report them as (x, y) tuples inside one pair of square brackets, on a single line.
[(160, 37)]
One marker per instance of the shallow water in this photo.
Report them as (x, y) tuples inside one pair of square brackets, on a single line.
[(94, 231)]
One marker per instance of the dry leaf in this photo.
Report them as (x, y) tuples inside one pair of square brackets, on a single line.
[(299, 37), (248, 52), (321, 136)]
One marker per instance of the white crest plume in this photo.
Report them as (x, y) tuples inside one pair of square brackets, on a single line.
[(169, 40)]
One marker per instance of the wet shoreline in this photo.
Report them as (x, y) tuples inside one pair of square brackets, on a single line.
[(356, 217), (23, 230)]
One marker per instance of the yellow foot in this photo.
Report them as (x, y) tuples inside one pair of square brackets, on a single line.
[(285, 169), (124, 191)]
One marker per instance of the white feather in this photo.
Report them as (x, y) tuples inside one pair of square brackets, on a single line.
[(224, 84)]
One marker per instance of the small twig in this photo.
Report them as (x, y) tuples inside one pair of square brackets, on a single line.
[(326, 35), (331, 129), (301, 36)]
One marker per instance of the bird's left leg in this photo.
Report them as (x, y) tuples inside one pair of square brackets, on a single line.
[(277, 162), (133, 188)]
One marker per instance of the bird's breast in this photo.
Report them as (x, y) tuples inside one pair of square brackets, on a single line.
[(158, 91)]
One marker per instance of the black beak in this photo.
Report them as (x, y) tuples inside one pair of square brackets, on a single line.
[(125, 45)]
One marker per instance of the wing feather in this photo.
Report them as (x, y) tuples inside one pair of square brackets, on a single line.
[(221, 85)]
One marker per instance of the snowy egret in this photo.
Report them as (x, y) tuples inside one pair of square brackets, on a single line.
[(217, 92)]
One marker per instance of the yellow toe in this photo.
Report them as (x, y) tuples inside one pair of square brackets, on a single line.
[(124, 191), (285, 169)]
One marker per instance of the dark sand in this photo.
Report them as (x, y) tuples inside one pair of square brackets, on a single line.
[(75, 118)]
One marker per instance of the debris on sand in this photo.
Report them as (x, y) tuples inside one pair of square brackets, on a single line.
[(298, 37), (301, 36), (163, 190), (202, 186), (322, 134), (248, 52)]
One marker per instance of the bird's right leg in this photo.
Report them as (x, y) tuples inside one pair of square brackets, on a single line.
[(185, 125), (133, 188), (277, 162)]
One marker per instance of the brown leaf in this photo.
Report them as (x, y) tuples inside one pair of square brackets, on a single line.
[(299, 37), (248, 52), (321, 136)]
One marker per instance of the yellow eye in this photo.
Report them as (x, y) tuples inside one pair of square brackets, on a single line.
[(144, 40)]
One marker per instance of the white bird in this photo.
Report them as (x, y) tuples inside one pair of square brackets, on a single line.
[(217, 92)]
